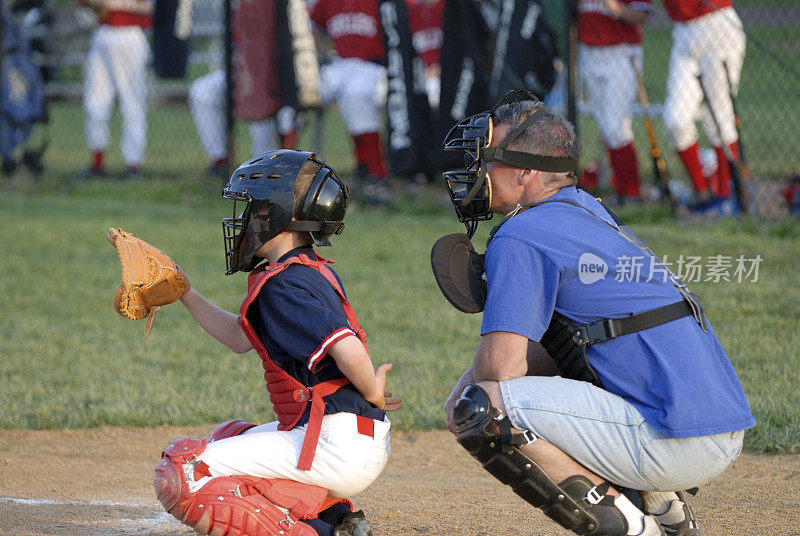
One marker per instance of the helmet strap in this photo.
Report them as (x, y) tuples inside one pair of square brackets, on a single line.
[(333, 227)]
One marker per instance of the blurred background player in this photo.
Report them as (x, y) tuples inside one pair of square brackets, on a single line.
[(426, 18), (116, 67), (707, 39), (355, 78), (256, 91), (207, 102), (610, 34)]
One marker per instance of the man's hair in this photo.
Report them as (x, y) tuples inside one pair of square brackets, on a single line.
[(304, 179), (550, 135)]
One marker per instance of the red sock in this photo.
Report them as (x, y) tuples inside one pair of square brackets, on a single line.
[(691, 161), (289, 140), (626, 170), (368, 152), (97, 161), (721, 187), (589, 178)]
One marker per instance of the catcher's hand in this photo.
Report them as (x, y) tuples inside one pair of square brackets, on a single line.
[(150, 279)]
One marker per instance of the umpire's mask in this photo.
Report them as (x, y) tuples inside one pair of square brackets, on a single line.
[(471, 189)]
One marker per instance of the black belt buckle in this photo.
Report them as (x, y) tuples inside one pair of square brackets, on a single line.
[(597, 332)]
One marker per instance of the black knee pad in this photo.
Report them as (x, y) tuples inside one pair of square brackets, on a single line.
[(575, 504)]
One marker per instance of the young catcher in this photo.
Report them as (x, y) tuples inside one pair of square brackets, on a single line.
[(331, 439)]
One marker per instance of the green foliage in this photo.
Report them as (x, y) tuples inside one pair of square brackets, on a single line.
[(70, 361)]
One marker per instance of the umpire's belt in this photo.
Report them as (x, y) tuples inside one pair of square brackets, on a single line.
[(608, 328)]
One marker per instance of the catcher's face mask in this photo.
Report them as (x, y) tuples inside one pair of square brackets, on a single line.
[(471, 189), (262, 191)]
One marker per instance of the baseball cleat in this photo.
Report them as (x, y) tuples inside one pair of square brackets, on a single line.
[(679, 520), (353, 524)]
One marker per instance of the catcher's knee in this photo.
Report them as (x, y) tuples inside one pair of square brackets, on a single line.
[(576, 503), (171, 482), (230, 429), (240, 505)]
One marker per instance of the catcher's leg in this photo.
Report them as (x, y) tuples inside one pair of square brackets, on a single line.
[(232, 505), (576, 503)]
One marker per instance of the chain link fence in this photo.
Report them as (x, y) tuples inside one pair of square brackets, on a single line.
[(151, 93)]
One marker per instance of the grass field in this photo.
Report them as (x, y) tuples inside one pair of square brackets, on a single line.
[(68, 360)]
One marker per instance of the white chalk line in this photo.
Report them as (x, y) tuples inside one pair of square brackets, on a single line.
[(129, 525)]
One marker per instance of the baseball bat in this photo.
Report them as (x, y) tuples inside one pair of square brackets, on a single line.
[(659, 165), (742, 197)]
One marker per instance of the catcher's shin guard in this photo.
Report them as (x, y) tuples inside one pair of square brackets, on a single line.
[(575, 504), (234, 505)]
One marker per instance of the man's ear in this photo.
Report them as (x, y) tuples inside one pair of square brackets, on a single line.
[(526, 176)]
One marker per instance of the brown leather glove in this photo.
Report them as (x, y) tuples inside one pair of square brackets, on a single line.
[(150, 279)]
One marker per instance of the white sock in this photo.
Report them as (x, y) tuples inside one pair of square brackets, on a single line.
[(633, 515), (658, 502)]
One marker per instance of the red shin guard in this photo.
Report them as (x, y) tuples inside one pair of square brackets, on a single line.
[(235, 505)]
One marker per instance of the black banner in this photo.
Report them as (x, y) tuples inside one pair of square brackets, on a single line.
[(466, 62), (525, 47), (172, 24), (298, 67), (410, 125), (489, 49)]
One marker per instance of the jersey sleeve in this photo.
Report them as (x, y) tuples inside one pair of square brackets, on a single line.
[(522, 287), (303, 315)]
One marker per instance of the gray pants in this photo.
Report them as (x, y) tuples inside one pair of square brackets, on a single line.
[(607, 435)]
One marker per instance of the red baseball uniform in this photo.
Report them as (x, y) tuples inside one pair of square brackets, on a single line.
[(685, 10), (353, 25), (597, 27), (425, 20)]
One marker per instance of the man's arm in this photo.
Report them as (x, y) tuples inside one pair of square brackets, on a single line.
[(465, 379), (353, 360), (502, 355), (535, 361)]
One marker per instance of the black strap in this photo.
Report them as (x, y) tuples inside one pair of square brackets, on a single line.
[(608, 328), (333, 227), (552, 164)]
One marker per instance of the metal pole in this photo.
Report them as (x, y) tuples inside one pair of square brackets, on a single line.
[(228, 48), (571, 47)]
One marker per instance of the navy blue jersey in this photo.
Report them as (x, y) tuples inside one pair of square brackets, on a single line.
[(298, 316)]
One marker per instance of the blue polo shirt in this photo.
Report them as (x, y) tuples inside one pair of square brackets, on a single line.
[(558, 257), (298, 315)]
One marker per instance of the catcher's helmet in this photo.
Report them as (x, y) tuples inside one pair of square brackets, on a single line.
[(266, 184)]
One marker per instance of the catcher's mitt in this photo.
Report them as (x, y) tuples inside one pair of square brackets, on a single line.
[(150, 279)]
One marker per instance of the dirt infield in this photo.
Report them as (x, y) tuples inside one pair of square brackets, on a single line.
[(98, 482)]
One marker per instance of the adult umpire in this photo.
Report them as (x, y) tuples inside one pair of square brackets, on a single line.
[(634, 390)]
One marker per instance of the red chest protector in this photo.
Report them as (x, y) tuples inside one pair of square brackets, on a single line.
[(288, 395)]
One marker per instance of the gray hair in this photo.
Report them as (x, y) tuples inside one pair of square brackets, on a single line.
[(550, 135)]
